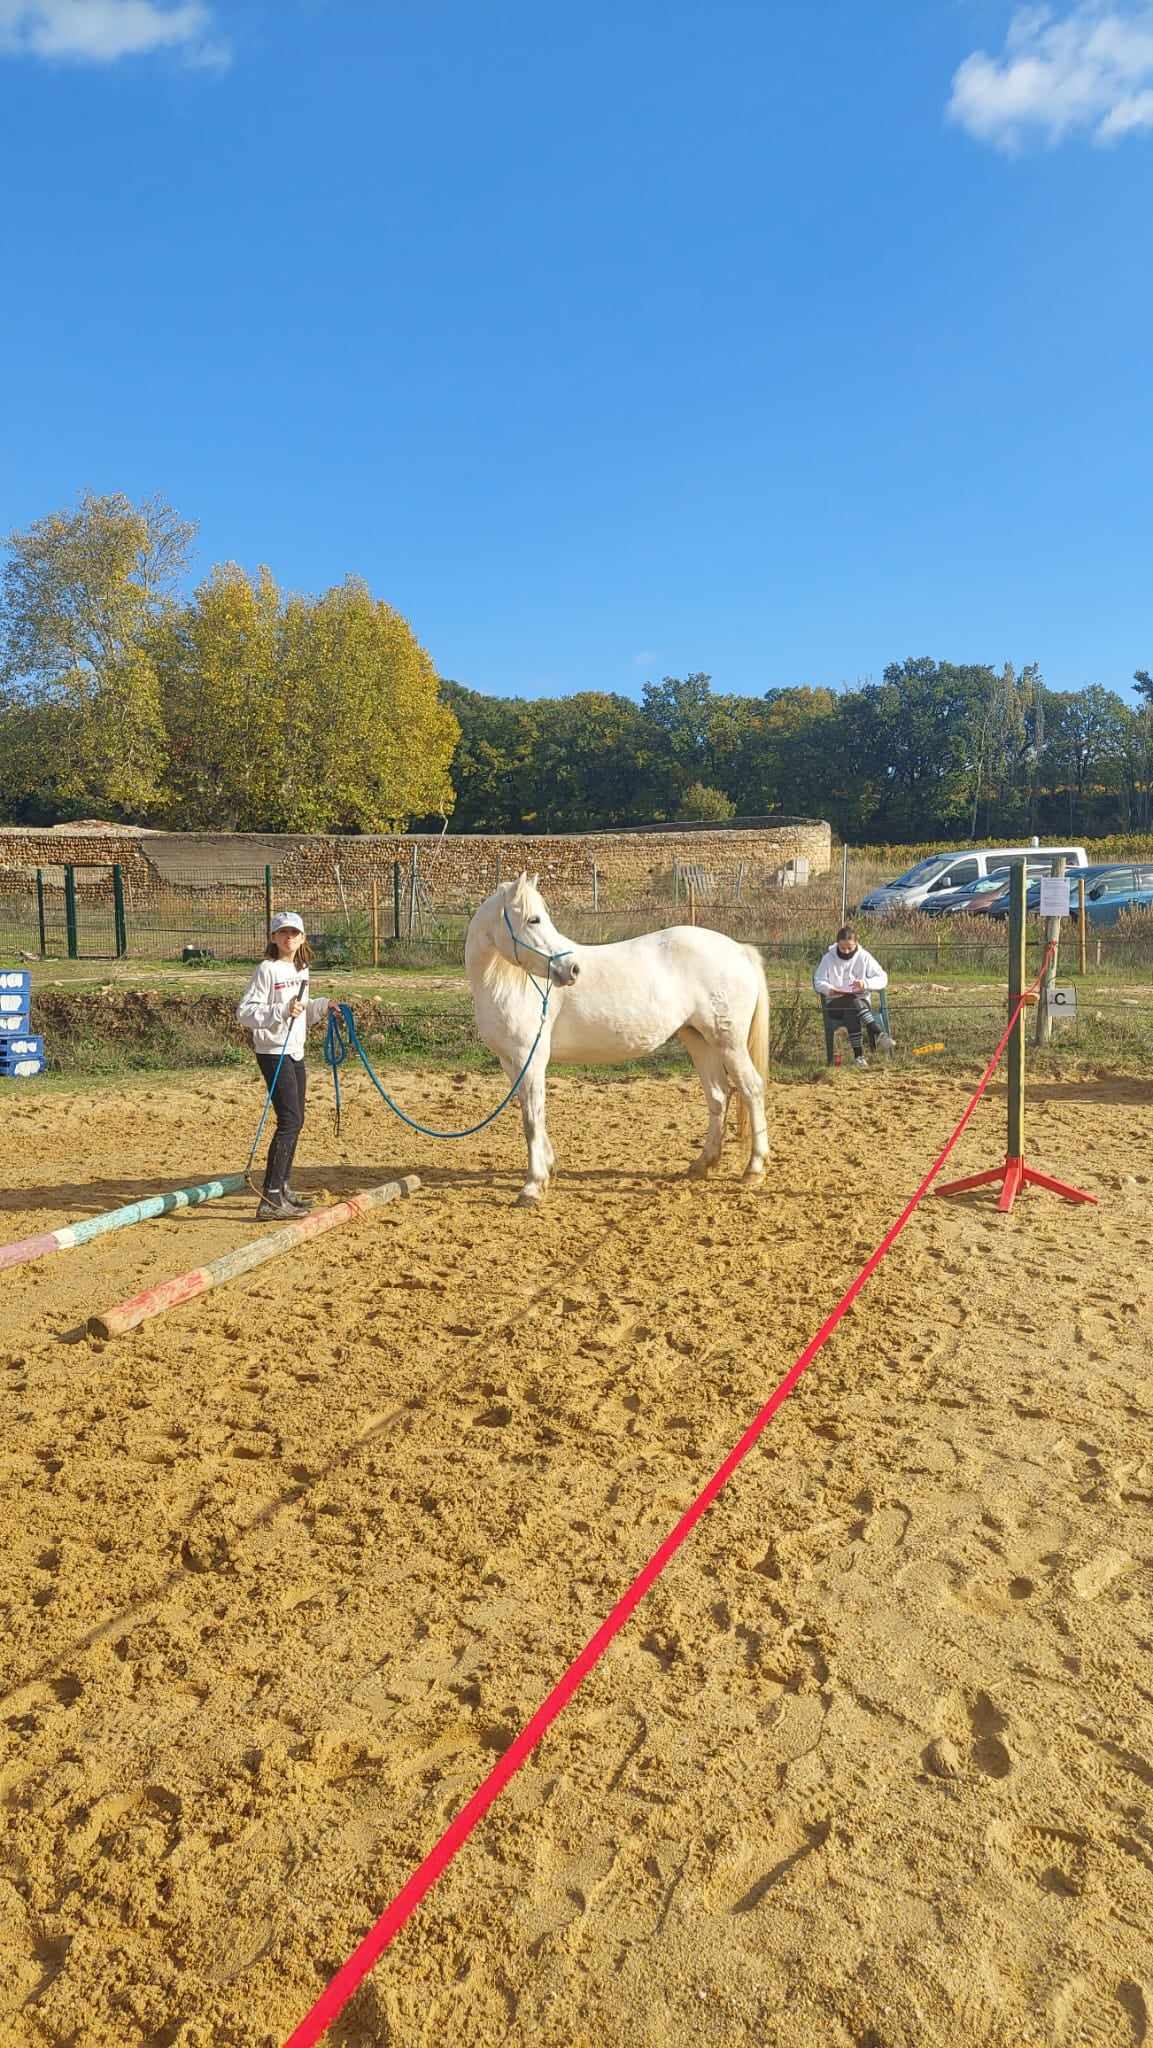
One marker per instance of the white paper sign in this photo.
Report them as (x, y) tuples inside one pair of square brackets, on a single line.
[(1063, 1001), (1054, 895)]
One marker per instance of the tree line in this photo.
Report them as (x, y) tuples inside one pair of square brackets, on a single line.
[(243, 708), (936, 750)]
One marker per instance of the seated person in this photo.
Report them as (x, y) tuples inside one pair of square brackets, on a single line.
[(843, 980)]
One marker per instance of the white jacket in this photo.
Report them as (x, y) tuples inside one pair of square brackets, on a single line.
[(265, 1004), (835, 977)]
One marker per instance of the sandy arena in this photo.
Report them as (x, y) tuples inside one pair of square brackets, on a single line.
[(284, 1570)]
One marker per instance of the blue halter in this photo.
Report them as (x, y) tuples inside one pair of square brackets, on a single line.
[(548, 958)]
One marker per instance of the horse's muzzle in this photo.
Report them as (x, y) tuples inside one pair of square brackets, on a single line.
[(566, 972)]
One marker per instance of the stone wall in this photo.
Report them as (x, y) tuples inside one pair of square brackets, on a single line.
[(629, 866)]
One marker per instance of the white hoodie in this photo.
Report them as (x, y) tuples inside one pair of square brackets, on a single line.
[(835, 976), (266, 1002)]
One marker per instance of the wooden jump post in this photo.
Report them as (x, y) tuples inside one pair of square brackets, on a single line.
[(113, 1322), (71, 1234), (1015, 1174)]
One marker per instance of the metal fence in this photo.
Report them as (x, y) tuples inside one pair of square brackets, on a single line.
[(97, 913)]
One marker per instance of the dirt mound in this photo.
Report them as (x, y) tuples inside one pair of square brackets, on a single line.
[(113, 1029)]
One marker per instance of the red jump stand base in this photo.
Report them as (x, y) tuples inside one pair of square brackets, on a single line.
[(1014, 1176)]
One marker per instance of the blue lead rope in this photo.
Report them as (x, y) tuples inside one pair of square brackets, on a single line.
[(341, 1038)]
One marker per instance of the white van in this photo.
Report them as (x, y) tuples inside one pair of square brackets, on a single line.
[(952, 870)]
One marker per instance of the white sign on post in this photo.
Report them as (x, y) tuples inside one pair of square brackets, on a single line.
[(1063, 1002), (1054, 896)]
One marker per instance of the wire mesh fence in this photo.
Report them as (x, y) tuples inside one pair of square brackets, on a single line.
[(405, 917)]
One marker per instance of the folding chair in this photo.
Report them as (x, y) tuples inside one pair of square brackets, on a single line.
[(831, 1028)]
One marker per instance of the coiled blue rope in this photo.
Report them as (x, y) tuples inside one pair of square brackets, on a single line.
[(341, 1038)]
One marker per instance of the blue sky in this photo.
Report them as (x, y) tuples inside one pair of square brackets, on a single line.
[(606, 341)]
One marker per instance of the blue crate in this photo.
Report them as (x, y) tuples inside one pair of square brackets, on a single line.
[(20, 1046), (21, 1069)]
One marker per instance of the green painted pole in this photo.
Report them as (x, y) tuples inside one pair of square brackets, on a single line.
[(395, 900), (40, 916), (70, 1235), (118, 910), (267, 904), (70, 912), (1015, 1059)]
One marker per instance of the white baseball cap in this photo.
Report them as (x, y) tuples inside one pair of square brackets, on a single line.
[(287, 920)]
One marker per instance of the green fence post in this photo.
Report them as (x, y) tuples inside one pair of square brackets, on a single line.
[(118, 910), (70, 911), (40, 917), (267, 904), (395, 901)]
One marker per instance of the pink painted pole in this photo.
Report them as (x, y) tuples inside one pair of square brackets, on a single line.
[(113, 1322)]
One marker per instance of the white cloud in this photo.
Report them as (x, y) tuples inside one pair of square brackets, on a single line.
[(1088, 72), (101, 31)]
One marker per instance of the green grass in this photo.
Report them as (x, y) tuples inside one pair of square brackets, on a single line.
[(163, 1027)]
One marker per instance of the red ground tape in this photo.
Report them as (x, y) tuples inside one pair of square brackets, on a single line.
[(335, 1997)]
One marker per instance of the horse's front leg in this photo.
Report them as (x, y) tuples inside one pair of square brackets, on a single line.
[(532, 1110), (540, 1152)]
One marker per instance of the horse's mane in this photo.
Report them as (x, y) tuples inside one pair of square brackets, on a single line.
[(500, 976)]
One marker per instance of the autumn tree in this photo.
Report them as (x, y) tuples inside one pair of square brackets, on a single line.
[(367, 740), (218, 659), (300, 714), (81, 597)]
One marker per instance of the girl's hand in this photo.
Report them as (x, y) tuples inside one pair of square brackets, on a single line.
[(295, 1010), (334, 1009)]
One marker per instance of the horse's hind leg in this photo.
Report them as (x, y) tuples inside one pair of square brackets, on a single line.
[(710, 1069), (745, 1079)]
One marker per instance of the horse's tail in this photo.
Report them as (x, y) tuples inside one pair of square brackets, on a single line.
[(758, 1041)]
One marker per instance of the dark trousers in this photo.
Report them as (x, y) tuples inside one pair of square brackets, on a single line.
[(288, 1102), (853, 1012)]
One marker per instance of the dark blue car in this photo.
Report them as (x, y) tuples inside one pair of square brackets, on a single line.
[(1096, 879), (1120, 889)]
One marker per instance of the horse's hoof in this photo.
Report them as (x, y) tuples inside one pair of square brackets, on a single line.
[(525, 1200), (699, 1168), (753, 1176)]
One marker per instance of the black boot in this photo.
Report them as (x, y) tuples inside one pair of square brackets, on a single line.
[(273, 1208)]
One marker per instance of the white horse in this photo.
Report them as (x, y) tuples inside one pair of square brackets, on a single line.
[(615, 1003)]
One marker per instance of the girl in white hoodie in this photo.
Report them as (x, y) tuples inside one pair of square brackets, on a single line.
[(276, 1008)]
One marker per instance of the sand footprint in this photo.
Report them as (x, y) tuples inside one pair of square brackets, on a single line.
[(1085, 2016)]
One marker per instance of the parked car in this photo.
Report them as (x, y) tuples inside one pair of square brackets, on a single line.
[(1104, 878), (989, 893), (1124, 889), (974, 900), (1088, 875), (941, 871)]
